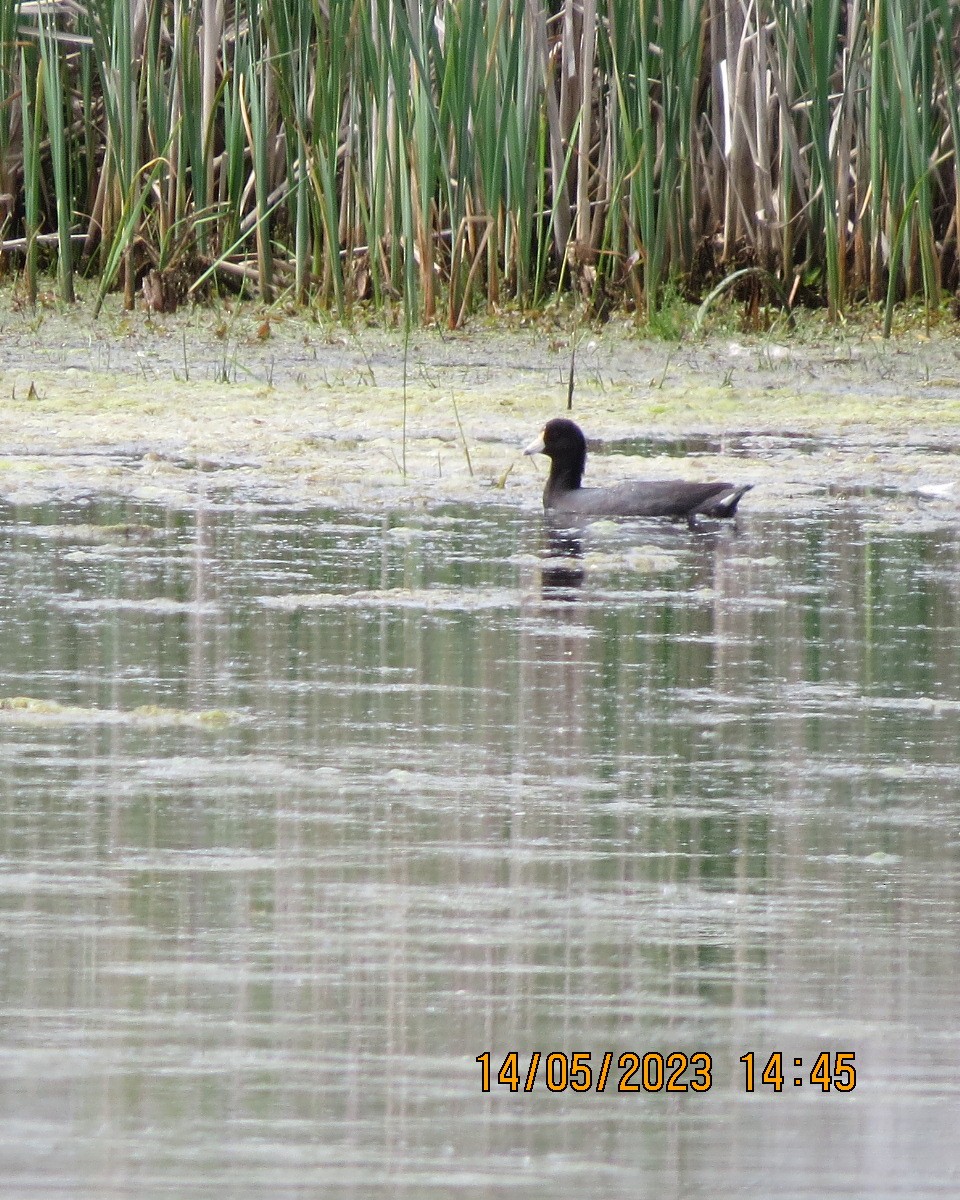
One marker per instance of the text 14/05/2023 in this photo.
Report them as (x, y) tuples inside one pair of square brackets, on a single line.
[(653, 1071)]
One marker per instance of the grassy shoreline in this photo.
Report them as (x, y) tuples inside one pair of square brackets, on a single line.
[(176, 407)]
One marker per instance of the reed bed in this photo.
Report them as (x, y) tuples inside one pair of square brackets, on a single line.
[(441, 157)]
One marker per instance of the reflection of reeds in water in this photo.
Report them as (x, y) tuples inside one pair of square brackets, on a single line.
[(454, 154)]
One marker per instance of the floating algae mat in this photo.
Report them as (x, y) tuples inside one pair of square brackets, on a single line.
[(28, 708)]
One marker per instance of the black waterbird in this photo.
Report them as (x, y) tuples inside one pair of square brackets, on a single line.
[(562, 441)]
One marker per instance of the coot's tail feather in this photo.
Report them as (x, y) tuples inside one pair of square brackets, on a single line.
[(724, 505)]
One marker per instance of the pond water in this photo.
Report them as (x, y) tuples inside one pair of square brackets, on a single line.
[(304, 812)]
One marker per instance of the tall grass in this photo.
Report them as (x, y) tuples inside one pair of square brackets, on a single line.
[(438, 157)]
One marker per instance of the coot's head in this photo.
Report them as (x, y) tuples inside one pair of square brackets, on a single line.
[(562, 441)]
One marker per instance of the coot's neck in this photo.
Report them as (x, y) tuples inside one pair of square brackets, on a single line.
[(565, 476)]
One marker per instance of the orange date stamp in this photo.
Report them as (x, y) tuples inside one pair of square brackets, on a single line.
[(654, 1071)]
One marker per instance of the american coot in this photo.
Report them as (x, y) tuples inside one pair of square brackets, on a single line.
[(562, 441)]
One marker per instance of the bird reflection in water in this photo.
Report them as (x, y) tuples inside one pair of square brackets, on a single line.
[(562, 569), (563, 561)]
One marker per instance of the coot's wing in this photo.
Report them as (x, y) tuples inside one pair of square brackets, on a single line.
[(649, 498)]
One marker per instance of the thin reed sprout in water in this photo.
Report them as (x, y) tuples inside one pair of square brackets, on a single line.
[(451, 157)]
